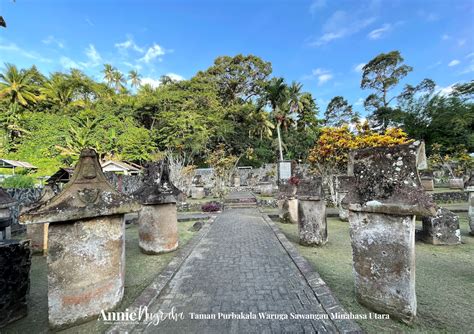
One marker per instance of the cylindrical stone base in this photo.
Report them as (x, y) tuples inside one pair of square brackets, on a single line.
[(15, 262), (383, 254), (312, 225), (266, 189), (197, 192), (38, 234), (158, 228), (288, 211), (86, 269)]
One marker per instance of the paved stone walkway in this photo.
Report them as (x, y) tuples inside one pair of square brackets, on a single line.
[(240, 266)]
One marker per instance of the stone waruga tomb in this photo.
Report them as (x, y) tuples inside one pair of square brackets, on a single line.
[(86, 257), (157, 221), (15, 262), (385, 196), (470, 190), (287, 203), (312, 225)]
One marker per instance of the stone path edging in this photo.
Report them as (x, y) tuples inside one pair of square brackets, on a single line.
[(152, 291), (322, 292)]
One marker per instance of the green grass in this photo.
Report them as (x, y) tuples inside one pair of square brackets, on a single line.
[(444, 280), (140, 270), (444, 190)]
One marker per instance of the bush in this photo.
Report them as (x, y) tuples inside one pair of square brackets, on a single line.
[(211, 207), (19, 181)]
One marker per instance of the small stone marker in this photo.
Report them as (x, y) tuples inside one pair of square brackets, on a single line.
[(443, 229), (312, 225), (427, 181), (470, 189), (384, 198), (288, 203), (197, 188), (86, 257), (265, 188), (157, 222)]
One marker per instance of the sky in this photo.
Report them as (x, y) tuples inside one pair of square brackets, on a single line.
[(321, 43)]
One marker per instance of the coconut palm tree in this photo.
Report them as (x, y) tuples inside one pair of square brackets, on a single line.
[(260, 124), (109, 71), (135, 78), (277, 97), (294, 97), (118, 80), (58, 90), (17, 86)]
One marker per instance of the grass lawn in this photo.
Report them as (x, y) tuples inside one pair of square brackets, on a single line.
[(140, 269), (444, 280)]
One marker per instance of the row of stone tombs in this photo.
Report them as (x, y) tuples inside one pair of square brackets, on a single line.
[(383, 195)]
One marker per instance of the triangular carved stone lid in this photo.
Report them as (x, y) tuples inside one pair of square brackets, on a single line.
[(157, 187), (87, 195), (6, 200)]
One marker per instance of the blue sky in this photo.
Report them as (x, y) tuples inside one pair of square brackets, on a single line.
[(320, 43)]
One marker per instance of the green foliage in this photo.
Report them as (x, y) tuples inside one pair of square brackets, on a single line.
[(339, 112), (19, 181)]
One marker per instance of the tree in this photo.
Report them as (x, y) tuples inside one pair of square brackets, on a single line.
[(58, 90), (109, 71), (118, 81), (329, 155), (239, 78), (17, 86), (306, 115), (339, 112), (134, 78), (277, 95), (382, 74), (294, 97)]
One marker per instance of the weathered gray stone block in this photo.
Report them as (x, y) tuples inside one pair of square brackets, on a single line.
[(470, 190), (158, 228), (427, 183), (158, 221), (456, 183), (87, 247), (15, 262), (265, 188), (442, 229), (38, 234), (383, 251), (288, 210), (197, 192), (86, 269), (312, 225)]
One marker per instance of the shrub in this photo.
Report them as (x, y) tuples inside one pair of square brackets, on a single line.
[(19, 181), (211, 207)]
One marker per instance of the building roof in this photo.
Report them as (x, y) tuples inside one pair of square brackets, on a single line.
[(4, 163), (118, 166)]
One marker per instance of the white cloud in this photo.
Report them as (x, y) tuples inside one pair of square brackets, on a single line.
[(380, 32), (315, 5), (470, 55), (53, 40), (89, 22), (358, 68), (445, 37), (359, 102), (134, 66), (428, 16), (320, 74), (13, 48), (153, 52), (341, 24), (454, 62), (129, 43), (444, 90), (93, 55), (68, 63), (150, 81), (461, 42), (175, 77)]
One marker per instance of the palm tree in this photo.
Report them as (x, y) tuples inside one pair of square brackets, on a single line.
[(277, 96), (109, 71), (260, 124), (135, 78), (166, 80), (294, 97), (17, 87), (58, 90), (118, 80)]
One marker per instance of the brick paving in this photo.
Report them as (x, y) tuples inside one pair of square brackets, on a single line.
[(241, 266)]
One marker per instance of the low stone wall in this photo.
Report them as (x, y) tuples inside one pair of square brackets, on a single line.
[(126, 184), (452, 196)]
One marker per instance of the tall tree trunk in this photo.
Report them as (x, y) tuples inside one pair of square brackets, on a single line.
[(279, 140)]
